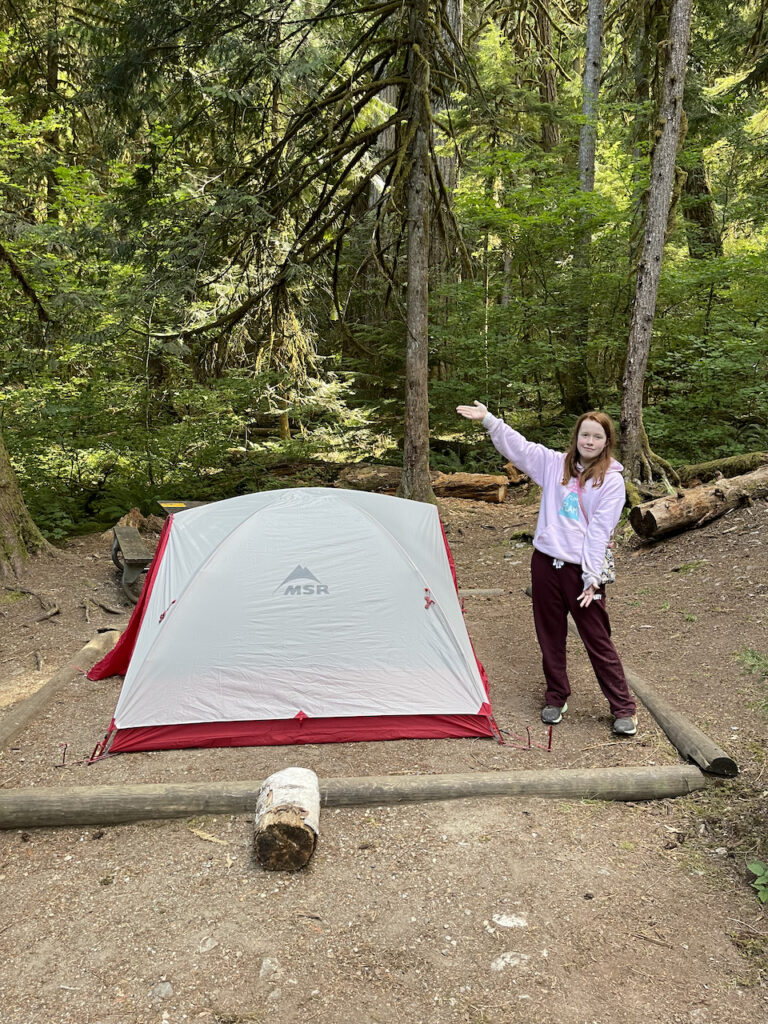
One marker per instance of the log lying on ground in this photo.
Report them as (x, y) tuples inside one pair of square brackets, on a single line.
[(365, 477), (514, 475), (287, 819), (386, 479), (697, 506), (477, 486), (734, 465), (16, 720), (684, 736), (110, 805)]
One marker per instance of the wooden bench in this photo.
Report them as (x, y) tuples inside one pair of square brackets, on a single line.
[(132, 556), (178, 505)]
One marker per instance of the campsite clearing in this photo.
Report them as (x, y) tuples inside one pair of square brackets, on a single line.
[(484, 911)]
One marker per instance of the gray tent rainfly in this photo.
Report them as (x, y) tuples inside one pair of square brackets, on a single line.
[(297, 616)]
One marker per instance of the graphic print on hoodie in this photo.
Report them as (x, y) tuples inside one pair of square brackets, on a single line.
[(570, 506)]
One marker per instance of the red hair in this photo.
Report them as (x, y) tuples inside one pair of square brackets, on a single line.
[(597, 470)]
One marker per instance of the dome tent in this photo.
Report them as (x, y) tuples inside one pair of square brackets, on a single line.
[(305, 615)]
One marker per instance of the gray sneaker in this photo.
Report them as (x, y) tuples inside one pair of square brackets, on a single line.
[(625, 726), (551, 715)]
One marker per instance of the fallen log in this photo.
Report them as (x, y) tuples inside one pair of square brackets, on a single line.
[(366, 477), (53, 807), (16, 720), (697, 506), (514, 475), (685, 737), (386, 479), (734, 465), (476, 486), (287, 819)]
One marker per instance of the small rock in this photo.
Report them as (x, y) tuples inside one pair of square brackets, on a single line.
[(269, 969), (163, 990), (508, 960), (511, 920)]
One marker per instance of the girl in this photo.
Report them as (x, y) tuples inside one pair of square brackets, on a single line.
[(582, 495)]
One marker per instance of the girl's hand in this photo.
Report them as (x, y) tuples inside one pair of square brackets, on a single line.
[(476, 411), (587, 595)]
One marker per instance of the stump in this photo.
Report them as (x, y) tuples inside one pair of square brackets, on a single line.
[(287, 819)]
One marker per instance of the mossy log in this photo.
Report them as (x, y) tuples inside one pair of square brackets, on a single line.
[(40, 807), (697, 506), (734, 465)]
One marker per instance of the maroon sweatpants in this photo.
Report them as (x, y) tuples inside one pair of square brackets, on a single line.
[(554, 595)]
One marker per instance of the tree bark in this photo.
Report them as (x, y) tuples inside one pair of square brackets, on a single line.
[(447, 164), (640, 463), (701, 227), (575, 386), (698, 506), (19, 537), (415, 483), (550, 133), (52, 99)]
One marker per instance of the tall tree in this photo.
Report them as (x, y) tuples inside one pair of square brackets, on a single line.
[(19, 537), (576, 388), (641, 465), (415, 482)]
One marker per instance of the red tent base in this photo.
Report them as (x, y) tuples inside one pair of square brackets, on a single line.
[(282, 732)]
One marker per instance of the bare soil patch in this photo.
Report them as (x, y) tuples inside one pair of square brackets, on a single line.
[(489, 911)]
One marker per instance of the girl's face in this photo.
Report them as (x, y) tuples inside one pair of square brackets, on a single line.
[(590, 441)]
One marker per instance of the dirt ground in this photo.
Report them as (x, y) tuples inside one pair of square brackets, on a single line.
[(478, 911)]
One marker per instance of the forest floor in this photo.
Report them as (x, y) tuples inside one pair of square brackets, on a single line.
[(477, 911)]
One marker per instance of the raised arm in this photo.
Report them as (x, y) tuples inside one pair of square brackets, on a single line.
[(531, 458)]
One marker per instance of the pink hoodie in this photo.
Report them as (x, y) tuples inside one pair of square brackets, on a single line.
[(562, 530)]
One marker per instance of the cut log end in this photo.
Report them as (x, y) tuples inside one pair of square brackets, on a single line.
[(642, 522), (723, 765), (287, 819), (283, 844)]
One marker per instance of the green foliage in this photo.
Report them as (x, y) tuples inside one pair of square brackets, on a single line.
[(760, 870), (190, 164)]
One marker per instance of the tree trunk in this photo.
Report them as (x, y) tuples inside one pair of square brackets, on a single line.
[(640, 463), (698, 506), (415, 481), (701, 227), (19, 537), (593, 70), (447, 162), (52, 137), (550, 133), (576, 388)]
